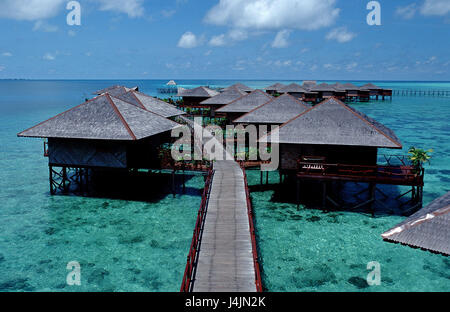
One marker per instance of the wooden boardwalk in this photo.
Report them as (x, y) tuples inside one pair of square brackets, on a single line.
[(225, 261)]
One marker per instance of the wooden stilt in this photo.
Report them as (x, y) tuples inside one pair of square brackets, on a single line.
[(372, 188), (173, 183), (64, 179), (52, 191), (267, 177), (297, 192), (324, 196)]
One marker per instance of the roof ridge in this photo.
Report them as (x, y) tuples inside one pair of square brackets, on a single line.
[(122, 119)]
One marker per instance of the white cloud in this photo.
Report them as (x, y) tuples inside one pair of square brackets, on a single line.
[(49, 57), (71, 33), (30, 10), (217, 41), (407, 12), (238, 35), (281, 39), (341, 35), (44, 26), (133, 8), (279, 14), (2, 68), (351, 67), (168, 13), (435, 7), (188, 41), (7, 54)]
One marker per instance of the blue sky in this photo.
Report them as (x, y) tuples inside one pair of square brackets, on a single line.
[(226, 39)]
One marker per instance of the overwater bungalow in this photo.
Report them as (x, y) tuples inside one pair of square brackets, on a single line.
[(428, 228), (353, 91), (226, 97), (324, 90), (193, 97), (376, 91), (241, 87), (293, 89), (274, 89), (334, 142), (243, 105), (275, 112), (104, 133)]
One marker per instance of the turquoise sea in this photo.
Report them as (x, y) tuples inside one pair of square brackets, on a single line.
[(125, 245)]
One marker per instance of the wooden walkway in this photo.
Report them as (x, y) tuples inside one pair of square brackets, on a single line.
[(225, 261)]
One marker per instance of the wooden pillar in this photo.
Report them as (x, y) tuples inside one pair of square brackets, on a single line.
[(52, 191), (261, 178), (324, 196), (297, 192), (372, 187), (173, 183), (64, 179), (184, 182), (267, 177)]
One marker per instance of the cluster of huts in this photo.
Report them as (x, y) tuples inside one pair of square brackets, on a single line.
[(122, 128), (309, 91)]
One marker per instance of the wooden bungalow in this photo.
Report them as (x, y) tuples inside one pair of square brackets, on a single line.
[(324, 90), (224, 98), (241, 87), (293, 89), (244, 104), (274, 89), (352, 90), (333, 142), (429, 228), (275, 112), (376, 91), (193, 97), (339, 91), (102, 133)]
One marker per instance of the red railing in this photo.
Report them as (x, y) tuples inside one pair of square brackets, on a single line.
[(258, 281), (193, 251), (399, 173)]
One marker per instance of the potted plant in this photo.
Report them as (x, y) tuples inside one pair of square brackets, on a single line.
[(418, 157)]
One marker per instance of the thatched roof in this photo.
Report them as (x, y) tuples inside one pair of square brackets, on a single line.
[(102, 118), (151, 104), (115, 90), (323, 87), (429, 228), (226, 97), (308, 84), (240, 87), (197, 92), (350, 86), (246, 103), (334, 123), (277, 111), (292, 88), (275, 87), (339, 87), (171, 83), (370, 86)]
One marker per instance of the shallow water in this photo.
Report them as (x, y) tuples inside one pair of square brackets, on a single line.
[(142, 246)]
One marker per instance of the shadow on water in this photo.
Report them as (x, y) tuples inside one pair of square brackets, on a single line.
[(135, 186), (346, 196)]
